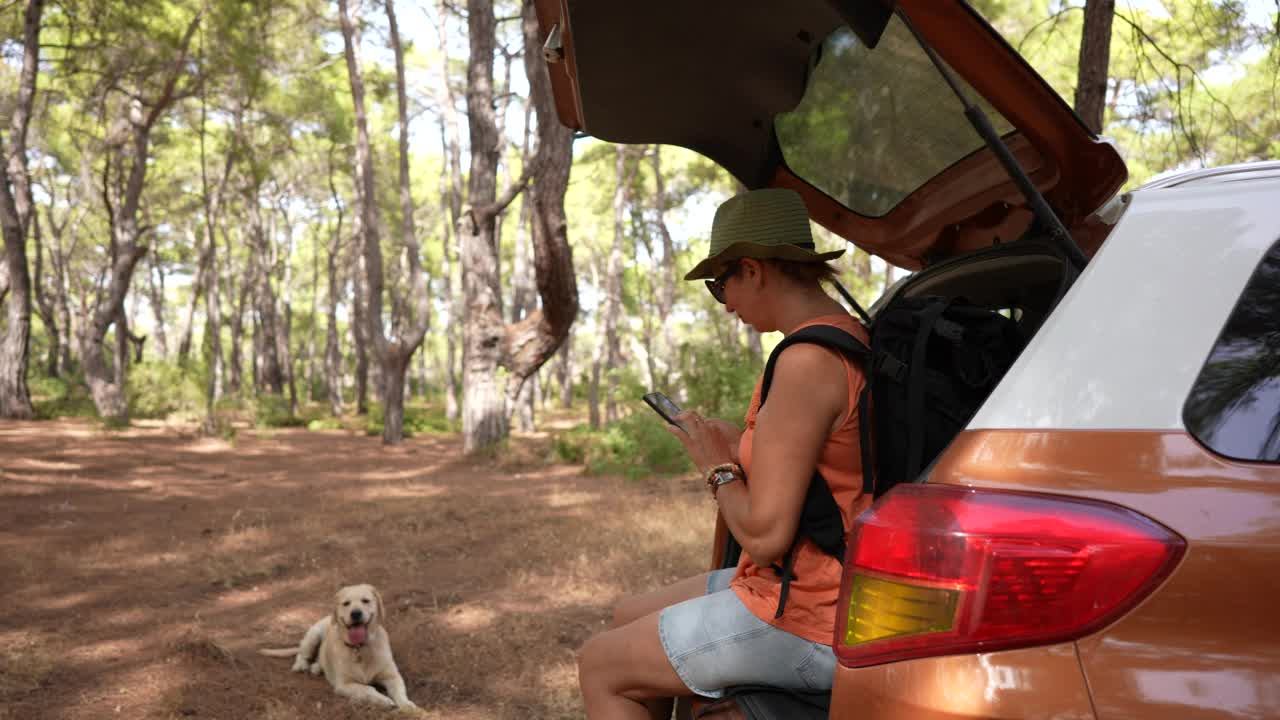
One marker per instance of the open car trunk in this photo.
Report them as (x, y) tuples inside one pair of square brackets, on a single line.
[(853, 115)]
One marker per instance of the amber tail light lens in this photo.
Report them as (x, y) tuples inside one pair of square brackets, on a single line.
[(941, 570)]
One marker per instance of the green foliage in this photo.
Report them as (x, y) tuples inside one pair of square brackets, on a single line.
[(636, 446), (272, 411), (60, 397), (325, 423), (159, 389), (417, 419), (718, 383)]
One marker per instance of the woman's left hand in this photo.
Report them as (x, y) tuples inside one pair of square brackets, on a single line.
[(707, 444)]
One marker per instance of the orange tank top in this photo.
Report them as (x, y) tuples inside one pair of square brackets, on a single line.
[(811, 602)]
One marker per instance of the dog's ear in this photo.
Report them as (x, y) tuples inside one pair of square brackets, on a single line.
[(337, 615), (382, 610)]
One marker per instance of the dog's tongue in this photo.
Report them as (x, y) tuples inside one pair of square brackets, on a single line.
[(356, 634)]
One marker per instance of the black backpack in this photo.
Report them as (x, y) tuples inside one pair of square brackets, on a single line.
[(931, 363)]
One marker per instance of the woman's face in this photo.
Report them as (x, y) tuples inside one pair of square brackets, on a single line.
[(743, 293)]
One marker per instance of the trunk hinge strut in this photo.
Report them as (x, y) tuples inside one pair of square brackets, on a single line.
[(1044, 214)]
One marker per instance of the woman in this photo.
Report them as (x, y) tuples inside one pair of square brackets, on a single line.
[(717, 630)]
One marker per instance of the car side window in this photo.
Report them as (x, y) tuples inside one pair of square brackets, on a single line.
[(1234, 406)]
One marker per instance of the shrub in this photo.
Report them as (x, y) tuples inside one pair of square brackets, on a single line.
[(636, 446), (417, 419), (325, 423), (158, 389), (717, 383), (53, 398), (272, 411)]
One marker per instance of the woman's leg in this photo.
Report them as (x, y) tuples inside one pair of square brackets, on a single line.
[(635, 607), (622, 670)]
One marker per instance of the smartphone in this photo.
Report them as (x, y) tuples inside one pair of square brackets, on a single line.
[(663, 405)]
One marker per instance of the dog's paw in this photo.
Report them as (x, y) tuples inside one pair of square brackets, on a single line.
[(407, 706), (300, 665), (316, 669)]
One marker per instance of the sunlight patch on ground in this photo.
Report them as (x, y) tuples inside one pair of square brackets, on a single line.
[(470, 618), (559, 498), (401, 492), (35, 464), (413, 473)]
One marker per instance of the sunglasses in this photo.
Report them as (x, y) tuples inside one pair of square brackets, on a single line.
[(716, 286)]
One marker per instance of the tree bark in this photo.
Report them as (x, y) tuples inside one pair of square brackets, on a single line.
[(1095, 59), (155, 298), (44, 304), (15, 215), (566, 372), (235, 363)]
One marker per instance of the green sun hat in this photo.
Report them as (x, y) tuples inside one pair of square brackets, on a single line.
[(761, 224)]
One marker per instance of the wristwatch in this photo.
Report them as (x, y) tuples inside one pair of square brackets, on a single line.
[(722, 476)]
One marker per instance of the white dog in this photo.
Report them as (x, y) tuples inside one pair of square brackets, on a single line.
[(351, 647)]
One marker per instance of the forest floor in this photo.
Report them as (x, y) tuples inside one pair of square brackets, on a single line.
[(142, 568)]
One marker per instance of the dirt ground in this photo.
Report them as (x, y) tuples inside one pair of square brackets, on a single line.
[(143, 568)]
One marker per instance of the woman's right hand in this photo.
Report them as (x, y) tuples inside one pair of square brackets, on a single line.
[(731, 433)]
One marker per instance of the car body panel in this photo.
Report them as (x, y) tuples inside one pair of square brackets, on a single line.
[(1024, 684), (711, 76), (1125, 345)]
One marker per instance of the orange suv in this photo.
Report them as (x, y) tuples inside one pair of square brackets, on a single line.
[(1102, 538)]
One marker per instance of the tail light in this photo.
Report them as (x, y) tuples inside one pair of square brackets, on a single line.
[(941, 570)]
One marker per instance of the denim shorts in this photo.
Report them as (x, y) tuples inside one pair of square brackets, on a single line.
[(714, 642)]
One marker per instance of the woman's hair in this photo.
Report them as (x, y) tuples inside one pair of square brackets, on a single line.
[(805, 273)]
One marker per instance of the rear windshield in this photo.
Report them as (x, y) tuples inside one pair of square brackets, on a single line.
[(875, 125)]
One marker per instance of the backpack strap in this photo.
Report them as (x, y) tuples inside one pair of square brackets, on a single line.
[(820, 518)]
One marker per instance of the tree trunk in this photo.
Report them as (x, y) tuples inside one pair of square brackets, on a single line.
[(1095, 59), (155, 297), (44, 305), (666, 273), (270, 375), (15, 214), (127, 249), (284, 312), (566, 372), (235, 364), (197, 291), (451, 197), (484, 417), (597, 358), (213, 307), (613, 282), (332, 356)]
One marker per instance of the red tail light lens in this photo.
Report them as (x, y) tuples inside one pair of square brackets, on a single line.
[(941, 570)]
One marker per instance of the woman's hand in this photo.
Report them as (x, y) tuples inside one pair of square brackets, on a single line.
[(709, 442)]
